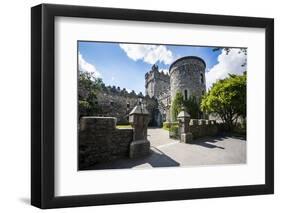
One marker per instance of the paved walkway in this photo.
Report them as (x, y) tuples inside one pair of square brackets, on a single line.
[(159, 137), (166, 152)]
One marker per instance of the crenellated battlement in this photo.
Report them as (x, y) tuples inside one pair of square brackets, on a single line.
[(113, 101), (156, 74), (202, 122), (156, 82), (201, 128), (113, 90)]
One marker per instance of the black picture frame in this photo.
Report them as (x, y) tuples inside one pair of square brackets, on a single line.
[(43, 102)]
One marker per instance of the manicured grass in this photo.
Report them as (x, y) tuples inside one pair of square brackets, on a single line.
[(124, 126)]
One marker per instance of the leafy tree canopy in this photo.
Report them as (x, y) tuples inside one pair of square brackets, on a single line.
[(88, 86), (227, 98)]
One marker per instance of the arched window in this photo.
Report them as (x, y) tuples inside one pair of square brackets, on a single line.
[(202, 78)]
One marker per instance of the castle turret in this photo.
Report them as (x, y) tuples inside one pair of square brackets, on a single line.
[(187, 75)]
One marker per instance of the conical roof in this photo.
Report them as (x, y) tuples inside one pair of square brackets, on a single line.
[(139, 110), (183, 114)]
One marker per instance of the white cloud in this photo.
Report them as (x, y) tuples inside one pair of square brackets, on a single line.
[(84, 66), (227, 63), (148, 53)]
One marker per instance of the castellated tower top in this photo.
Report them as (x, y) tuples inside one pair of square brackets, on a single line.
[(156, 82)]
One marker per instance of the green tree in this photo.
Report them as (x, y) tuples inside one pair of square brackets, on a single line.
[(177, 105), (227, 99), (192, 107), (88, 86)]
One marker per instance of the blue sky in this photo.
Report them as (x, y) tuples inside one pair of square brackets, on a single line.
[(125, 65)]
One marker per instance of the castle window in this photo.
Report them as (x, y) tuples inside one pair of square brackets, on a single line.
[(185, 95), (203, 92), (202, 78), (128, 105), (111, 103)]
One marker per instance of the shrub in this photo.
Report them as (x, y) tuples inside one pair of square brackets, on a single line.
[(177, 105), (191, 105), (173, 128), (174, 131), (166, 125)]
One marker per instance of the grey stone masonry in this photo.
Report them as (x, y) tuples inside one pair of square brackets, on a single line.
[(114, 102), (187, 75), (185, 134), (101, 141), (139, 119), (156, 82), (190, 129), (202, 128)]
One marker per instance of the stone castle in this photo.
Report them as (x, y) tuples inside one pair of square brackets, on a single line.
[(186, 75)]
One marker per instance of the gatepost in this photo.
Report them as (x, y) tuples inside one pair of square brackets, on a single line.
[(139, 118), (185, 134)]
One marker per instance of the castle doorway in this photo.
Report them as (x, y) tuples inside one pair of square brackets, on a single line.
[(158, 119)]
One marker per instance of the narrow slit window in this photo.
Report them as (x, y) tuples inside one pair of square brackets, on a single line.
[(185, 94)]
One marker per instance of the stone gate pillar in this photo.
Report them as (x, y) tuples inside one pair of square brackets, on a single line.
[(139, 118), (185, 134)]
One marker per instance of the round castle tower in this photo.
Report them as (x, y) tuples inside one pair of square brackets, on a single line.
[(187, 75)]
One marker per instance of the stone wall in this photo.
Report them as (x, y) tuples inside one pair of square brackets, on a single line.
[(201, 128), (164, 104), (101, 141), (114, 102)]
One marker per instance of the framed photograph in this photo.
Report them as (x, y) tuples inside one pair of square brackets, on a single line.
[(139, 106)]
